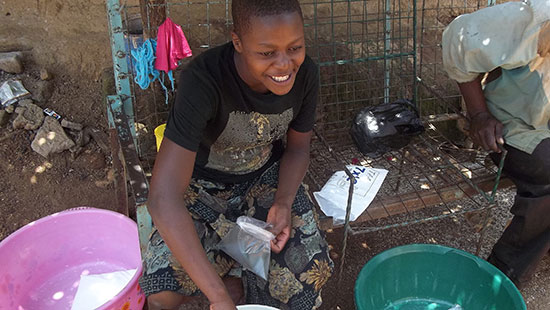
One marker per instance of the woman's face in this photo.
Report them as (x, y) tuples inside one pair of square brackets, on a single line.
[(270, 52)]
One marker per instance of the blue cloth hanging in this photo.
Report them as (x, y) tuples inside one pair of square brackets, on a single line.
[(144, 60)]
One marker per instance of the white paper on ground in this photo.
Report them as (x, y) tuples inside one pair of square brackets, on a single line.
[(333, 197), (95, 290)]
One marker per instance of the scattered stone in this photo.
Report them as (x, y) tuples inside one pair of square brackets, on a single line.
[(30, 116), (110, 179), (71, 125), (51, 138), (4, 117), (101, 139), (10, 109), (102, 183), (82, 137), (76, 150), (11, 62), (45, 75), (42, 91)]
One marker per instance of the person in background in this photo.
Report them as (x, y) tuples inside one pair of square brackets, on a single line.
[(237, 142), (508, 47)]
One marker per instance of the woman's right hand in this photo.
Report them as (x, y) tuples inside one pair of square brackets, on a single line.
[(223, 305)]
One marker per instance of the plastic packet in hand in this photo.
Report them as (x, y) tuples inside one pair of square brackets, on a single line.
[(249, 243), (11, 91)]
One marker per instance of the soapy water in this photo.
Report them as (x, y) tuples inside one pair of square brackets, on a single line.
[(422, 304)]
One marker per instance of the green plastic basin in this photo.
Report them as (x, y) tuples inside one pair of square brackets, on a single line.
[(433, 277)]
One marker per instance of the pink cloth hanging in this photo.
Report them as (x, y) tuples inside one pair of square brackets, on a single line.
[(171, 46)]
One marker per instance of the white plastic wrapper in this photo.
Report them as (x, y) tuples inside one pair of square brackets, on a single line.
[(95, 290), (333, 197), (249, 243), (11, 91)]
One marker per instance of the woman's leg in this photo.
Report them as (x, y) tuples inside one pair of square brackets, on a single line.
[(297, 274), (165, 282), (166, 300), (171, 300)]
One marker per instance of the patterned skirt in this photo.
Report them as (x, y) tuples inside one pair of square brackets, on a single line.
[(296, 275)]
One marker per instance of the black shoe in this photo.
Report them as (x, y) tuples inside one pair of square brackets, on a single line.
[(509, 272)]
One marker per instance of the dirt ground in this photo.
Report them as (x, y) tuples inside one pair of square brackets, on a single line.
[(69, 182), (33, 186)]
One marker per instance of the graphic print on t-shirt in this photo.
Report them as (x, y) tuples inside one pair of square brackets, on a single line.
[(245, 143)]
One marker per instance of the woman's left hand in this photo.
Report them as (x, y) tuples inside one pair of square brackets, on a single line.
[(279, 217)]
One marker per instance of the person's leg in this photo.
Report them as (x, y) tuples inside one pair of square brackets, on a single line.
[(166, 300), (527, 239), (165, 282), (298, 273), (235, 289), (172, 300)]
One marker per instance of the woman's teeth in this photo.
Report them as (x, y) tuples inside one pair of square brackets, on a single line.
[(280, 78)]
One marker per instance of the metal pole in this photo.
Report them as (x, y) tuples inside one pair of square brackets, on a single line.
[(153, 14), (120, 65), (387, 50)]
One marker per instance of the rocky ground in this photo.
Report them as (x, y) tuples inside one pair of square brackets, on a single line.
[(45, 167)]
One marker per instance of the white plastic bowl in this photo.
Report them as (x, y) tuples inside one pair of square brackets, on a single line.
[(255, 307)]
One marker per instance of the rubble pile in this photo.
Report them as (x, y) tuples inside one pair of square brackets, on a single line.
[(24, 106)]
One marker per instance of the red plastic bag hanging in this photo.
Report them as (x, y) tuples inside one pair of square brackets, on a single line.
[(171, 46)]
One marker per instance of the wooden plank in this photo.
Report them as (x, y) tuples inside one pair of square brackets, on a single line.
[(394, 206), (145, 225), (121, 189), (138, 182), (377, 211), (414, 201)]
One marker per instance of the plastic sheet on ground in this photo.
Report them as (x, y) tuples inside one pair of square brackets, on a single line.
[(333, 197)]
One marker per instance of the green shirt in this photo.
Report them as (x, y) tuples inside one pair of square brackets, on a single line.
[(511, 36), (519, 98)]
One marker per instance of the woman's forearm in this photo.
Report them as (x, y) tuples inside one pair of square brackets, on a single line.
[(292, 170), (171, 176)]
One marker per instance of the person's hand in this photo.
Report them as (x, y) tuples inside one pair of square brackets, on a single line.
[(486, 131), (223, 305), (279, 217)]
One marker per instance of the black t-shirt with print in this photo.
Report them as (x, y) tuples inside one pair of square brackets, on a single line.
[(236, 132)]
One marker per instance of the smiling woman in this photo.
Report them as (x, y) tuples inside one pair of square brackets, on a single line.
[(269, 57), (223, 156)]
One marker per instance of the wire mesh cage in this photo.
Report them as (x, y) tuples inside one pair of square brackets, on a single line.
[(368, 52)]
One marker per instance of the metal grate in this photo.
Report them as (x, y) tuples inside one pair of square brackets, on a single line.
[(430, 178), (368, 52)]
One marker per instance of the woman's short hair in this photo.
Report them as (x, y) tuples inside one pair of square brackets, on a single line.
[(243, 10)]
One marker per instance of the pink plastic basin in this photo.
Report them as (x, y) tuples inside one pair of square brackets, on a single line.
[(41, 263)]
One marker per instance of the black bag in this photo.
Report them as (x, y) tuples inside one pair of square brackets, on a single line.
[(385, 127)]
